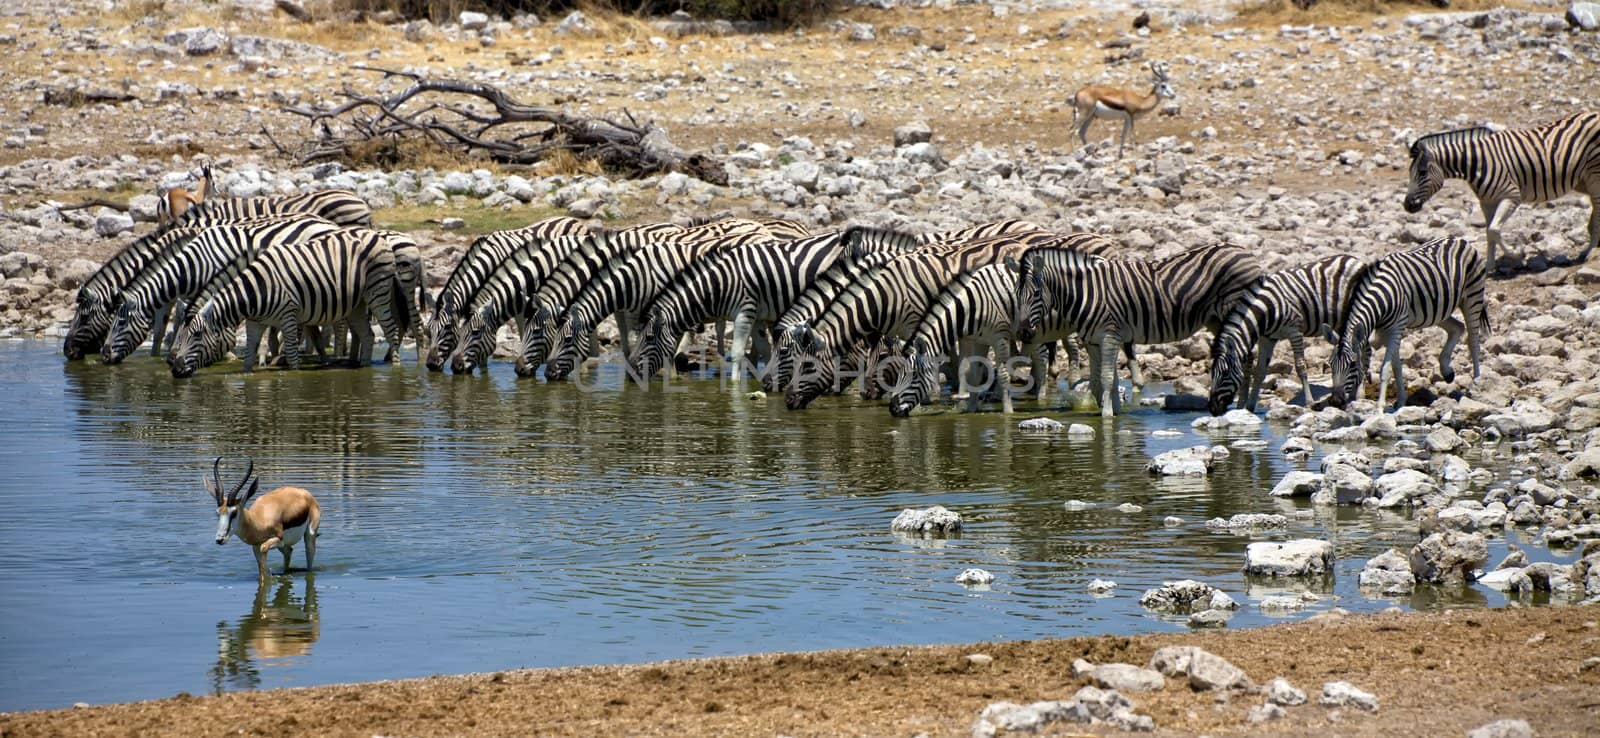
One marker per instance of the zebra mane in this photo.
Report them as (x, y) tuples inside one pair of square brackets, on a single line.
[(1456, 136), (859, 241)]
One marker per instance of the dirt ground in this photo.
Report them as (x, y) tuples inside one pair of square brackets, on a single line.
[(1435, 674)]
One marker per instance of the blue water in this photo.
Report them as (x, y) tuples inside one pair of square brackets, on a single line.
[(485, 523)]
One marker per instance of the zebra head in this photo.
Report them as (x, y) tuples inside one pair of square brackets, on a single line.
[(921, 381), (1426, 177), (654, 344), (880, 368), (812, 371), (1350, 362), (188, 349), (570, 349), (479, 343), (1033, 300), (780, 371), (441, 330), (91, 319), (536, 339), (1228, 357), (129, 329)]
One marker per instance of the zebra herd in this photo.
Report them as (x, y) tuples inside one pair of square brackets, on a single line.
[(814, 312)]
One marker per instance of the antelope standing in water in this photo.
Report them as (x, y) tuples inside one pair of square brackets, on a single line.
[(280, 519), (1119, 103)]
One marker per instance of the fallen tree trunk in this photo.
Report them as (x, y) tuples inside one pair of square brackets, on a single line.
[(514, 133)]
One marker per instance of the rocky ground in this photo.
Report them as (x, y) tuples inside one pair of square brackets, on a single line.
[(1483, 673), (1289, 137)]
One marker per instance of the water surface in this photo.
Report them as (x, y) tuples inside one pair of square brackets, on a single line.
[(484, 523)]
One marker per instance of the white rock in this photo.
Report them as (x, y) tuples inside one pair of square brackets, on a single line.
[(1127, 678), (974, 576), (1296, 558), (112, 223), (1040, 425), (1193, 461), (1178, 597), (471, 21), (1221, 601), (1389, 573), (1449, 557), (1209, 619), (1344, 694), (931, 520), (1281, 603), (1128, 507), (1297, 484), (1342, 484), (1248, 521), (1505, 728), (1101, 586), (1280, 692), (1079, 430)]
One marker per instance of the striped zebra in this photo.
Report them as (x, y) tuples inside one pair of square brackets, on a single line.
[(626, 288), (969, 317), (100, 293), (1406, 290), (780, 228), (1511, 167), (549, 305), (475, 266), (340, 206), (346, 276), (507, 295), (179, 274), (1117, 301), (1307, 300), (886, 302), (751, 285), (410, 270), (860, 243)]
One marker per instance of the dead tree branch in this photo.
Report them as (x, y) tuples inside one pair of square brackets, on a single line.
[(514, 132)]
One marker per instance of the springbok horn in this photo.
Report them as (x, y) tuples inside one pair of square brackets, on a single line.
[(234, 495), (216, 480)]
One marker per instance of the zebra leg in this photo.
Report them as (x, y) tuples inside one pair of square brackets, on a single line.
[(1074, 353), (290, 344), (1002, 375), (1495, 213), (1477, 328), (1452, 338), (624, 328), (252, 344), (744, 322), (1392, 365), (722, 329), (361, 330), (1250, 394), (1094, 369), (1039, 370), (1134, 375), (1594, 227), (158, 329), (1108, 374), (1298, 343)]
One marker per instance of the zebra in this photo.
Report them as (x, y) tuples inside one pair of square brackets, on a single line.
[(549, 304), (751, 285), (1411, 289), (1507, 168), (1307, 300), (340, 206), (475, 266), (859, 242), (343, 276), (626, 288), (179, 274), (98, 296), (1110, 302), (507, 294), (1037, 324), (974, 310), (410, 270), (886, 301)]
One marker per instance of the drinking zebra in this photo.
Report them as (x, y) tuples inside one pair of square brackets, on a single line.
[(347, 276), (970, 316), (179, 274), (1307, 300), (1411, 289), (860, 244), (886, 302), (507, 295), (475, 266), (752, 285), (1507, 168), (1117, 301), (626, 287), (100, 293), (549, 305)]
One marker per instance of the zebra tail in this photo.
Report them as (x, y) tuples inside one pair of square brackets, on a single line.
[(400, 300)]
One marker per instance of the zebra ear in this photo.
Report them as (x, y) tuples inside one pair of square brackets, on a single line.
[(1013, 264)]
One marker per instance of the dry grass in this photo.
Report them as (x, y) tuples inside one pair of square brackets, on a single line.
[(564, 162), (131, 11)]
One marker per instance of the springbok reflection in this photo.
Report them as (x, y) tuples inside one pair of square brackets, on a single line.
[(278, 626)]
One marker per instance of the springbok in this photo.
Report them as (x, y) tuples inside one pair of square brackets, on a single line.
[(1105, 101), (280, 519), (176, 201)]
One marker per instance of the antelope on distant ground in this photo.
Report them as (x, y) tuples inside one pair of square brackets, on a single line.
[(1119, 103), (177, 200), (280, 519)]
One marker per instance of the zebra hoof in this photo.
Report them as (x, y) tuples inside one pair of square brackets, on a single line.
[(1448, 375)]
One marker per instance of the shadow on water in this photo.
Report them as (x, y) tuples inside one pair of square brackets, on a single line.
[(280, 625)]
